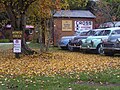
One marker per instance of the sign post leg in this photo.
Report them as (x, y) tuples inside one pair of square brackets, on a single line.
[(17, 55)]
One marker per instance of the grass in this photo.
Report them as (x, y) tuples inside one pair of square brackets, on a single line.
[(34, 45), (37, 46), (105, 80), (6, 46), (64, 82), (31, 45), (10, 46)]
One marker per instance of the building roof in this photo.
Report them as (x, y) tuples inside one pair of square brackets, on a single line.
[(27, 26), (74, 14)]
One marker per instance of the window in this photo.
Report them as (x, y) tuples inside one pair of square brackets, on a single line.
[(117, 31), (106, 32), (99, 33)]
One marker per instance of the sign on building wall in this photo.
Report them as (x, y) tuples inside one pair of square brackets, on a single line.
[(66, 25), (83, 25)]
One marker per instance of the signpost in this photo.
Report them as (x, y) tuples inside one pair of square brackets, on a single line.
[(17, 35), (17, 46)]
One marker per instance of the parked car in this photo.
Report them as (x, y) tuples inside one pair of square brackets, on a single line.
[(75, 43), (63, 42), (110, 24), (95, 42), (112, 45)]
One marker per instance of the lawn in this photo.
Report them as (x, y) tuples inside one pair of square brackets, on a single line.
[(59, 70)]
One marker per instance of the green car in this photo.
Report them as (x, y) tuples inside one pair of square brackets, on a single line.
[(95, 42)]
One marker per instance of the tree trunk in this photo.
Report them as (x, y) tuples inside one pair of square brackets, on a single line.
[(49, 33), (25, 49)]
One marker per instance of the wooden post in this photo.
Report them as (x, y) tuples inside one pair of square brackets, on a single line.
[(17, 55)]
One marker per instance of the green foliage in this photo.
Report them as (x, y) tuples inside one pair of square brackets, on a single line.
[(47, 8), (4, 40), (77, 4)]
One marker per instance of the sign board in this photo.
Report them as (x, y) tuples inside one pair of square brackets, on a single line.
[(66, 25), (83, 25), (17, 34), (17, 46)]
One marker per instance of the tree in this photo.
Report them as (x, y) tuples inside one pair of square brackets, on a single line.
[(3, 16), (42, 12), (78, 4), (107, 10), (16, 11)]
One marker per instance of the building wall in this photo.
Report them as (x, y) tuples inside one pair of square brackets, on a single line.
[(58, 33)]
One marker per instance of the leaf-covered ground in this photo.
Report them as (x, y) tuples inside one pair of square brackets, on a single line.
[(56, 62)]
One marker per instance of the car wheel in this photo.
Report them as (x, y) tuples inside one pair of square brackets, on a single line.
[(70, 48), (100, 49), (63, 48)]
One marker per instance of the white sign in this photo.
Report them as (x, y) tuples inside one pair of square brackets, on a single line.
[(83, 25), (17, 46)]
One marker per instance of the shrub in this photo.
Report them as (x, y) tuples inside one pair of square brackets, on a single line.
[(4, 40)]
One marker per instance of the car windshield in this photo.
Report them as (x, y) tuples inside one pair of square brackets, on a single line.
[(97, 33), (116, 32), (91, 32), (104, 33), (81, 33), (113, 37)]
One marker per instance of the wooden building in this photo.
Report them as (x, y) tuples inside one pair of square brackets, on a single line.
[(66, 22)]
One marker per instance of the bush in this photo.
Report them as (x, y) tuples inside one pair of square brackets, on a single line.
[(4, 40)]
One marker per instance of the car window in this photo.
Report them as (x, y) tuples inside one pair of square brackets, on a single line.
[(117, 31), (88, 33), (113, 37), (91, 32), (83, 34), (100, 33), (106, 32)]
